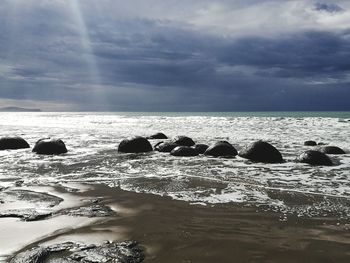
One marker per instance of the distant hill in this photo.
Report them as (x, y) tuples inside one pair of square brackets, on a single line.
[(18, 109)]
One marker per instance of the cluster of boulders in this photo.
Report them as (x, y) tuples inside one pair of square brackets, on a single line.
[(259, 151), (45, 146)]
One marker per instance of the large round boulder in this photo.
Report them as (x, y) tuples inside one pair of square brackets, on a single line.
[(310, 143), (220, 149), (261, 151), (165, 147), (184, 151), (13, 143), (136, 144), (50, 146), (183, 141), (331, 150), (158, 135), (315, 158), (200, 147)]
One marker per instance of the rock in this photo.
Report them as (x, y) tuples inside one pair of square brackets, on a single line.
[(331, 150), (200, 148), (322, 143), (123, 252), (261, 151), (27, 215), (13, 143), (95, 210), (183, 141), (135, 145), (310, 143), (184, 151), (50, 147), (165, 146), (314, 158), (158, 135), (221, 148)]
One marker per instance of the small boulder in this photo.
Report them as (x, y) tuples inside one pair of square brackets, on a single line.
[(158, 135), (201, 148), (261, 151), (13, 143), (135, 145), (165, 147), (50, 146), (184, 151), (331, 150), (310, 143), (314, 158), (183, 141), (221, 148)]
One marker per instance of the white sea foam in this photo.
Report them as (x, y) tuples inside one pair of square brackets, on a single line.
[(92, 140)]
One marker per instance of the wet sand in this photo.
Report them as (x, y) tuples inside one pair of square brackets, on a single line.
[(176, 231)]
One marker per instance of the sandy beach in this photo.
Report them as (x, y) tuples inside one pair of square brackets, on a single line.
[(175, 231)]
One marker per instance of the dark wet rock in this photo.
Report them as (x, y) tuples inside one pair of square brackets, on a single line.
[(183, 141), (124, 252), (201, 148), (165, 146), (261, 151), (50, 147), (95, 210), (135, 145), (322, 143), (184, 151), (310, 143), (314, 158), (221, 149), (13, 143), (331, 150), (158, 135), (25, 214)]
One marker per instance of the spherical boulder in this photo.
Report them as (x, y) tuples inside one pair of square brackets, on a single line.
[(310, 143), (261, 151), (13, 143), (220, 149), (165, 147), (50, 146), (200, 148), (183, 141), (136, 144), (158, 135), (185, 151), (331, 150), (314, 158)]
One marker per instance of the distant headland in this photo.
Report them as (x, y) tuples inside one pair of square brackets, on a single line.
[(18, 109)]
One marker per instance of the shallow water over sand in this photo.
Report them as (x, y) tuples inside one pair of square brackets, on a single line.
[(92, 140)]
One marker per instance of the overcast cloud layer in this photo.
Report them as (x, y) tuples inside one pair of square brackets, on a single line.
[(185, 55)]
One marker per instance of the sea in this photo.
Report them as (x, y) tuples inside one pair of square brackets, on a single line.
[(92, 139)]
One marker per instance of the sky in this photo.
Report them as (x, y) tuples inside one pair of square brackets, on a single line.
[(184, 55)]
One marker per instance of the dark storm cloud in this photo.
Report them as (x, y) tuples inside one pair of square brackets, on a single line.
[(332, 8), (128, 63)]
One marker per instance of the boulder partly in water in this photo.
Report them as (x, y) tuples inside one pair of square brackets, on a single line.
[(183, 141), (261, 151), (314, 158), (221, 149), (50, 146), (185, 151), (158, 135), (13, 143), (331, 150), (135, 145)]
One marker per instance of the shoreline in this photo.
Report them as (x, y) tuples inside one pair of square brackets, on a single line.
[(175, 231)]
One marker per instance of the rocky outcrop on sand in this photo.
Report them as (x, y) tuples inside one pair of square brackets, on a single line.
[(185, 151), (69, 252), (13, 143), (314, 158), (221, 149), (261, 151), (136, 144), (50, 146)]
